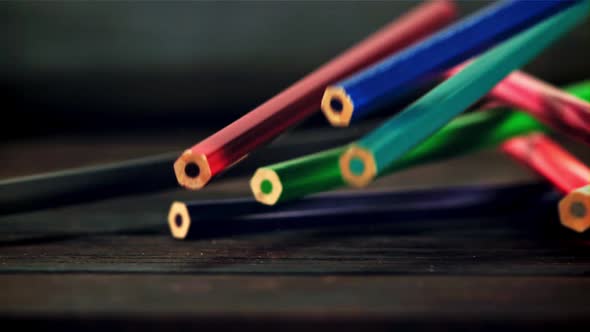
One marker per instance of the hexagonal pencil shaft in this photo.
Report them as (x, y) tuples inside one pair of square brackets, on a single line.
[(562, 169), (319, 171)]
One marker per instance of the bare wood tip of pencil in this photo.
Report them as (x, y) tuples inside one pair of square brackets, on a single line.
[(357, 166), (179, 220), (574, 210), (266, 186), (337, 106), (192, 170)]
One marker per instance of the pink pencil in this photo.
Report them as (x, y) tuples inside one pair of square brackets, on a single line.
[(549, 104)]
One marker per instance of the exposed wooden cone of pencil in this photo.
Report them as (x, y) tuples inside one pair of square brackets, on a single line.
[(574, 210)]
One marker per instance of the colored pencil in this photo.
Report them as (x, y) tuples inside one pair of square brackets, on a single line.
[(373, 153), (395, 77), (554, 107), (105, 181), (320, 172), (235, 216), (197, 165), (560, 168), (581, 90)]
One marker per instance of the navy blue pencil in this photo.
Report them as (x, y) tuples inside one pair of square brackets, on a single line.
[(245, 215), (395, 77)]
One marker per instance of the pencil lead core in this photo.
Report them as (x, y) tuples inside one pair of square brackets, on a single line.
[(266, 186), (574, 209), (337, 106), (357, 166), (192, 170), (578, 210), (179, 220)]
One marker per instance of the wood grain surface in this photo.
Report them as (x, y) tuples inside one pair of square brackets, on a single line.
[(113, 265)]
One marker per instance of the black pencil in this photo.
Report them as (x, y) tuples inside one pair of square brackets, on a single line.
[(145, 175)]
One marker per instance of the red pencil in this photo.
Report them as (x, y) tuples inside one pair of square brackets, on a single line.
[(562, 169), (197, 165), (549, 104)]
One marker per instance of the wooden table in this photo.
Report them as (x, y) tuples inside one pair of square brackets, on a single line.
[(112, 264)]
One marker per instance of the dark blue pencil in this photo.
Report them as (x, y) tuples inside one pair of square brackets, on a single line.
[(419, 65), (245, 215)]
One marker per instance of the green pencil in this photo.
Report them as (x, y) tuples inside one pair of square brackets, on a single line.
[(374, 153), (319, 172), (580, 90)]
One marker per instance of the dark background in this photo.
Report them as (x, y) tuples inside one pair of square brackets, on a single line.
[(121, 67)]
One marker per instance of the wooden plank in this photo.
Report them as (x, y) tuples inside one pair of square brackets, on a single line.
[(266, 302), (457, 247)]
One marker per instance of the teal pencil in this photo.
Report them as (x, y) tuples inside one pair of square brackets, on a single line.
[(372, 154)]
